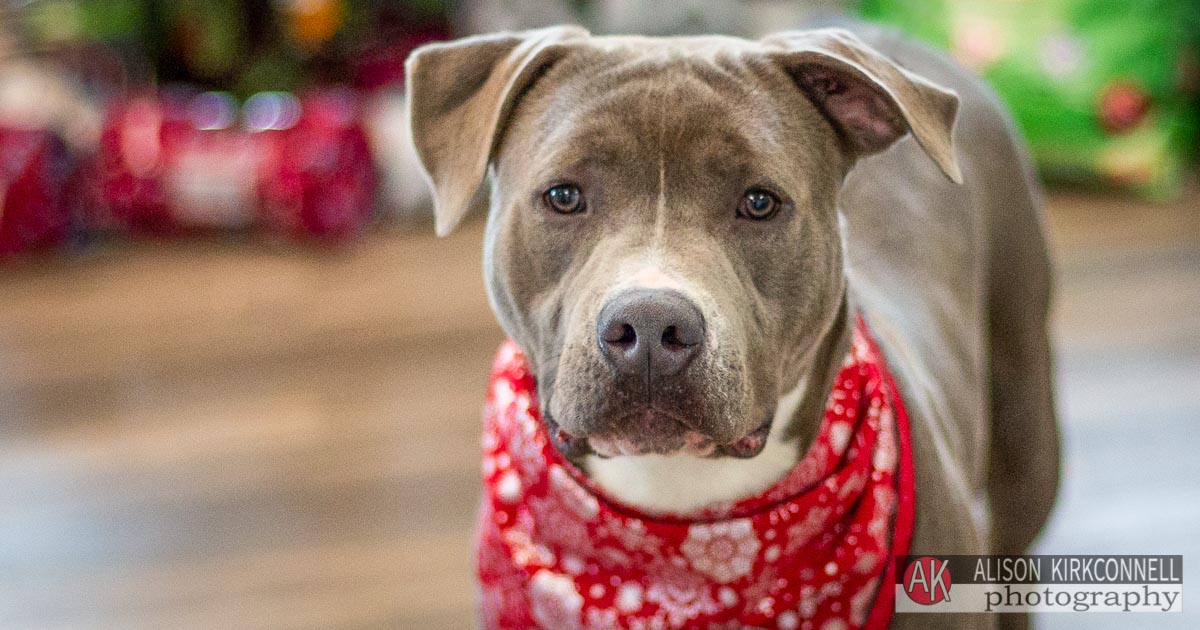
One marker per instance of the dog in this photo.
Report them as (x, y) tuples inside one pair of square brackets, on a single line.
[(682, 232)]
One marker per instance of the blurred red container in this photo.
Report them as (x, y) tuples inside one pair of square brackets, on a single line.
[(180, 160), (320, 179), (34, 170)]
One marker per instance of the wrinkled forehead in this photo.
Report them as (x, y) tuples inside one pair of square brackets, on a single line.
[(719, 111)]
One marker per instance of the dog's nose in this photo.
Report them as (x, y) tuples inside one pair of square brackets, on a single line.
[(650, 331)]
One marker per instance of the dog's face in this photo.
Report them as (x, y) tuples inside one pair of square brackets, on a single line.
[(660, 249), (663, 236)]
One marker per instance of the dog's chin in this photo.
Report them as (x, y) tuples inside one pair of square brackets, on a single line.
[(683, 441)]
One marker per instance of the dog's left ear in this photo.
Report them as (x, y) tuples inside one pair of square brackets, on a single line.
[(870, 100)]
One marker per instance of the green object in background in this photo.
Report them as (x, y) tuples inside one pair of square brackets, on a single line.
[(246, 46), (62, 20), (1104, 90), (207, 35)]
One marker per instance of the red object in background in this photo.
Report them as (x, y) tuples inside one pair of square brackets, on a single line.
[(177, 160), (383, 65), (320, 179), (34, 169), (124, 181), (1123, 105)]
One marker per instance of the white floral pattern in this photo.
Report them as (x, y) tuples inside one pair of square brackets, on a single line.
[(629, 597), (601, 619), (860, 603), (631, 535), (557, 527), (803, 531), (683, 595), (884, 457), (723, 550), (554, 601), (574, 497)]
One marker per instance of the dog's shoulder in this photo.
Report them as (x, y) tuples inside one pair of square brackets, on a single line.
[(917, 247)]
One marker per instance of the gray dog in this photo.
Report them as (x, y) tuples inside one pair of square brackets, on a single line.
[(681, 231)]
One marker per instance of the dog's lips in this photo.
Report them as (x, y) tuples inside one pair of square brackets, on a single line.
[(650, 432), (749, 445), (694, 443), (569, 445), (691, 442)]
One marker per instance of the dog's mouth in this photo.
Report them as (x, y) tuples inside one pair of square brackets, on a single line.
[(570, 446), (684, 442), (749, 445)]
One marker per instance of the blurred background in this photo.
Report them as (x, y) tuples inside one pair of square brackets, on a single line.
[(240, 380)]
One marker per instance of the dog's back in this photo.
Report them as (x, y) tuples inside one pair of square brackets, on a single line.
[(956, 283)]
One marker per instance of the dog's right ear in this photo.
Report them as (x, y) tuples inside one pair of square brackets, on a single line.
[(460, 95)]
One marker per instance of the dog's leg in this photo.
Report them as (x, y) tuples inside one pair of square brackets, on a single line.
[(1023, 468)]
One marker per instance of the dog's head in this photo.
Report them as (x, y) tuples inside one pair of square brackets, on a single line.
[(663, 239)]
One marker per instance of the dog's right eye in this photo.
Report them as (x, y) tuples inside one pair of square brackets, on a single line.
[(564, 199)]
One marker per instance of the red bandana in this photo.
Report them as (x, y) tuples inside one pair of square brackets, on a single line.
[(809, 553)]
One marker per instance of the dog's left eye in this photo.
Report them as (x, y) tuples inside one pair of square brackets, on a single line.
[(564, 199), (758, 205)]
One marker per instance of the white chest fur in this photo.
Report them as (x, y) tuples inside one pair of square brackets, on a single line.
[(678, 484)]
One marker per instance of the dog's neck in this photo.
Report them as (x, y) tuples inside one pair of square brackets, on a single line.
[(681, 484)]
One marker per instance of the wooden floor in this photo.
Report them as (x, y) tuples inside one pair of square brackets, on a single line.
[(218, 434)]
